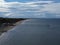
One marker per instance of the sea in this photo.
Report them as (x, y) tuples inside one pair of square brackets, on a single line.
[(40, 31)]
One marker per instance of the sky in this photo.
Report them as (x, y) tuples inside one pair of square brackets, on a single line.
[(30, 8), (30, 0)]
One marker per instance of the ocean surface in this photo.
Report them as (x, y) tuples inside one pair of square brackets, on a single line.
[(33, 32)]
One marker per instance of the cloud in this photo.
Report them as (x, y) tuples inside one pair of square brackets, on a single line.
[(38, 9)]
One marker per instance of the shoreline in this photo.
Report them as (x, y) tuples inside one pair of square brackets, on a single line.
[(4, 27)]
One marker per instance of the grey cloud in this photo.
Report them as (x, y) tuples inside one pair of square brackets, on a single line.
[(39, 9)]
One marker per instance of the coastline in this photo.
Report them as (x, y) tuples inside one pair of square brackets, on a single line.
[(4, 27)]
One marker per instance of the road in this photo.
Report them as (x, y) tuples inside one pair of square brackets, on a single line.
[(32, 32)]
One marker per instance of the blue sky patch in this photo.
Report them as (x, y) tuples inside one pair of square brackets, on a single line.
[(30, 0)]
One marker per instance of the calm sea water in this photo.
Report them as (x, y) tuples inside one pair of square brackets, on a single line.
[(33, 32)]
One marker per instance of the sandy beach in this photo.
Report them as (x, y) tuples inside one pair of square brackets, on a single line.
[(4, 27)]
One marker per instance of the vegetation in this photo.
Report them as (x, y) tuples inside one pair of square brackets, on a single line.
[(10, 20)]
